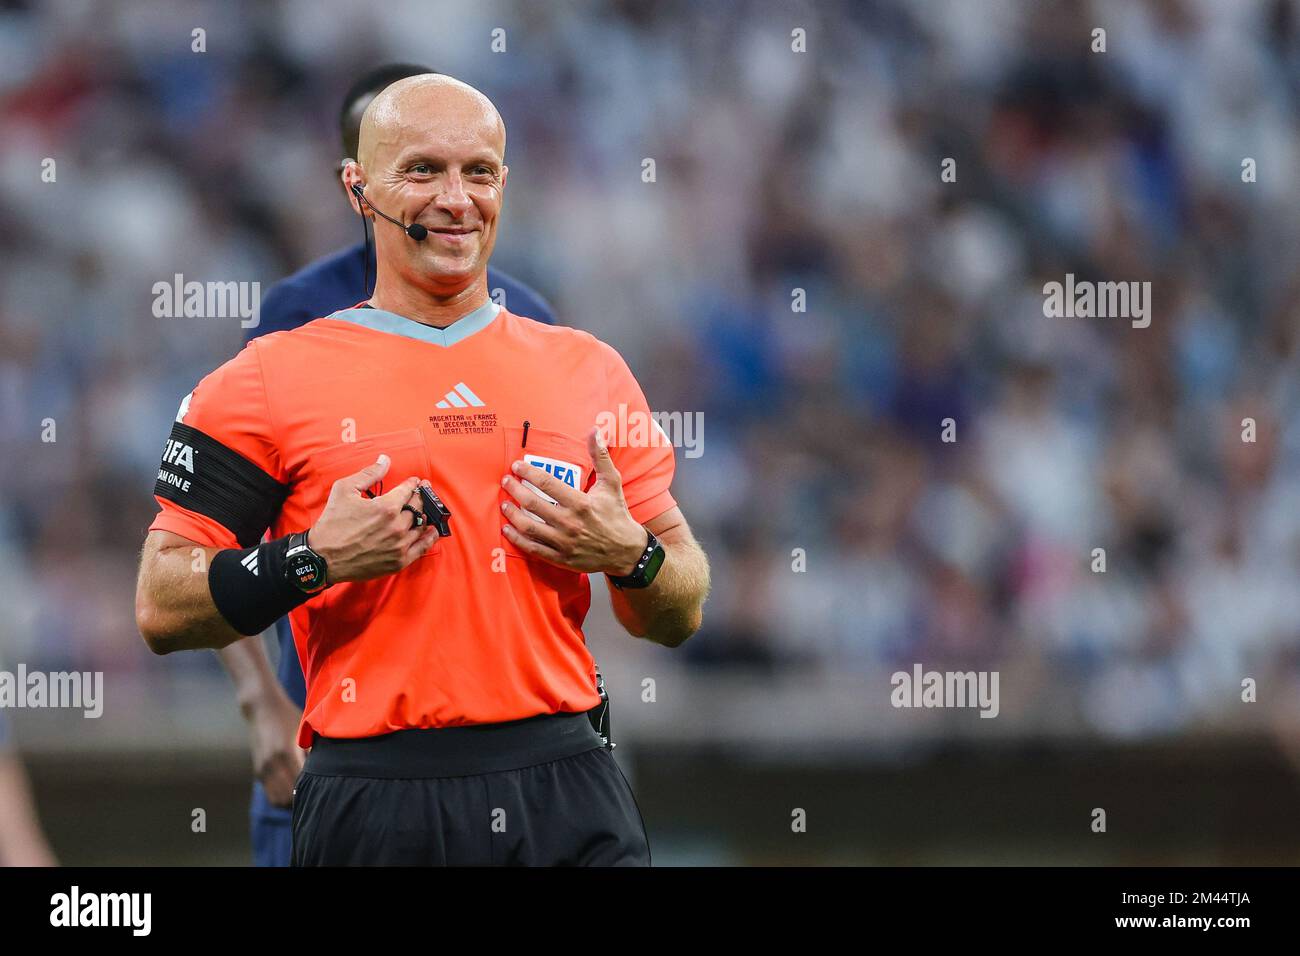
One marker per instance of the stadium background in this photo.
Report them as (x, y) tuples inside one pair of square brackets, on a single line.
[(775, 170)]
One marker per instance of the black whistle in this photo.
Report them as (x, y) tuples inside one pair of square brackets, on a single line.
[(437, 513)]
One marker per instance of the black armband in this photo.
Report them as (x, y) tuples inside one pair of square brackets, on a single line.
[(253, 588), (202, 475)]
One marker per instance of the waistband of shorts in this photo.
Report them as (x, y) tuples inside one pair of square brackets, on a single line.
[(455, 751)]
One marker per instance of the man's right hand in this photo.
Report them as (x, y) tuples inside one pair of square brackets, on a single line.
[(362, 538)]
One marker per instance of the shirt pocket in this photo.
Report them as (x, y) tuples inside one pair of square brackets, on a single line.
[(406, 449), (348, 609), (560, 454)]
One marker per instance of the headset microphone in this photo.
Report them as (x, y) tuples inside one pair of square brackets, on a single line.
[(416, 231)]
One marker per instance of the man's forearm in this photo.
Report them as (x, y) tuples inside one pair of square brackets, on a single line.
[(250, 669), (671, 609), (174, 607), (271, 715)]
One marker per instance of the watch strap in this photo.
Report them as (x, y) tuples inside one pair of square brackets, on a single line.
[(646, 567)]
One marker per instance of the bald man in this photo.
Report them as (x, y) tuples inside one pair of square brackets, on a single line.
[(439, 476), (271, 699)]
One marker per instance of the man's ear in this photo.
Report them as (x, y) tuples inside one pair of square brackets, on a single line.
[(505, 171), (351, 174)]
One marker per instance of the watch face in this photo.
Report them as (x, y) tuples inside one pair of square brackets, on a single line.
[(654, 564), (305, 572)]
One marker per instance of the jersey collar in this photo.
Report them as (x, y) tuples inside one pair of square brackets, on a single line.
[(391, 322)]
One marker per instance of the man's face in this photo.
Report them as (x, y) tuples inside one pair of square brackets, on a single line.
[(438, 161)]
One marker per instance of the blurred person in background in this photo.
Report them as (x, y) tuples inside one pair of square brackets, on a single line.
[(22, 841), (272, 701)]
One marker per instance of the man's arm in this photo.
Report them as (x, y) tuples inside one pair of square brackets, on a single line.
[(359, 538), (595, 531), (271, 716), (174, 609), (671, 609), (219, 487)]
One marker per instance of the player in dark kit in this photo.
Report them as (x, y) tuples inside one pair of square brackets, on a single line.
[(273, 702)]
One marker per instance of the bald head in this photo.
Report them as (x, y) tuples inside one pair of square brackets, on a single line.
[(431, 151), (409, 107)]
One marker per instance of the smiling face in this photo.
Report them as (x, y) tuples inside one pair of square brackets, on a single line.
[(432, 151)]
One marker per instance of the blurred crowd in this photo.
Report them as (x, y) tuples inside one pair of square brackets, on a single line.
[(846, 534)]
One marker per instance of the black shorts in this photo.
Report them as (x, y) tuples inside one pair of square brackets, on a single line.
[(538, 792)]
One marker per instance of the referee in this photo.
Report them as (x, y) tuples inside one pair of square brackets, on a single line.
[(436, 494), (272, 700)]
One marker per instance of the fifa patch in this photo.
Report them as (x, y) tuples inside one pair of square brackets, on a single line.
[(179, 454), (564, 471)]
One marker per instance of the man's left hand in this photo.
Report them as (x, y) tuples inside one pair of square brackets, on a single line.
[(582, 531)]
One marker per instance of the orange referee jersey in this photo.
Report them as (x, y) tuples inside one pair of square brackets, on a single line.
[(474, 632)]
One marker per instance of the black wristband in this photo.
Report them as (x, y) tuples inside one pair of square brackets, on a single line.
[(249, 588), (646, 567)]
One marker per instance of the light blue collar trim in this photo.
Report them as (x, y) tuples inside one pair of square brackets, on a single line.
[(391, 322)]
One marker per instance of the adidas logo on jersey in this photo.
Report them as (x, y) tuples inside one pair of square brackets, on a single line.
[(250, 563), (461, 397)]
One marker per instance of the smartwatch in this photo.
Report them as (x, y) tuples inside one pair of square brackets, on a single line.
[(303, 567), (647, 566)]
